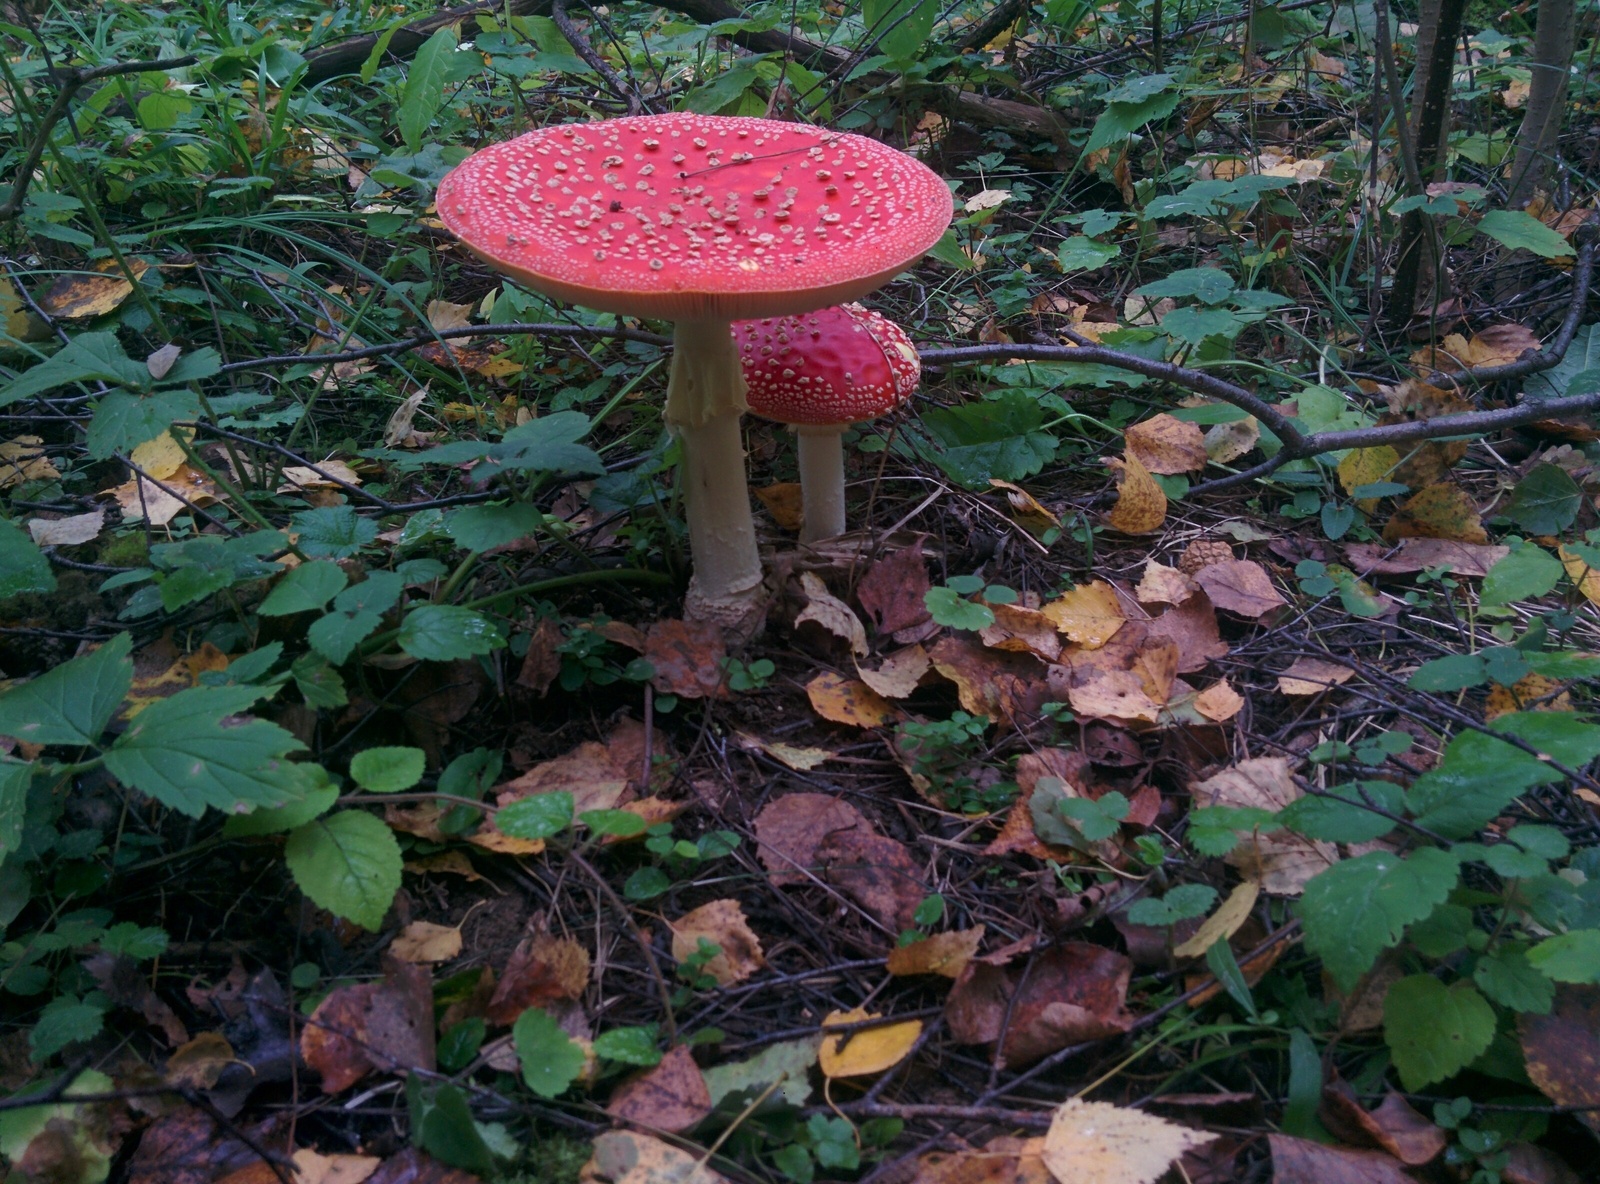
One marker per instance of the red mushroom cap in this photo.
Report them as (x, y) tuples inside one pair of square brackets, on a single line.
[(836, 366), (696, 217)]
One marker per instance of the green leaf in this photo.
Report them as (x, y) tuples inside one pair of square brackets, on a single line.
[(187, 754), (139, 942), (620, 824), (1576, 372), (479, 528), (1193, 325), (71, 703), (1522, 231), (425, 82), (1529, 571), (1435, 1031), (333, 532), (538, 816), (318, 682), (337, 634), (23, 567), (1545, 501), (1184, 901), (14, 779), (277, 820), (548, 444), (1357, 909), (347, 863), (88, 357), (65, 1020), (443, 633), (122, 421), (1121, 119), (1562, 736), (1569, 957), (550, 1060), (900, 27), (1207, 284), (955, 611), (630, 1046), (1455, 672), (1508, 978), (443, 1126), (993, 438), (304, 588), (1086, 254), (1342, 815), (1477, 777), (388, 770)]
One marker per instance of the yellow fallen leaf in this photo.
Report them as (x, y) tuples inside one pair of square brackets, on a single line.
[(1532, 692), (849, 701), (798, 757), (158, 458), (1585, 578), (1141, 504), (423, 941), (1167, 445), (90, 294), (1366, 466), (946, 954), (23, 459), (1219, 702), (871, 1050), (1312, 676), (1223, 923), (1438, 511), (1089, 615), (141, 498), (783, 503), (1106, 1144), (442, 315), (723, 923), (200, 1062)]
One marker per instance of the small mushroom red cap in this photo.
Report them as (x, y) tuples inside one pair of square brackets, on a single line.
[(835, 366), (696, 217)]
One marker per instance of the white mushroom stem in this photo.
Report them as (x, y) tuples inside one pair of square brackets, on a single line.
[(705, 400), (821, 449)]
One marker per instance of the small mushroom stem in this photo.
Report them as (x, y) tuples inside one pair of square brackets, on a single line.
[(705, 399), (821, 481)]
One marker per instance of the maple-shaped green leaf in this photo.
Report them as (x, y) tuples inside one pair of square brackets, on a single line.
[(1435, 1031), (550, 1060), (347, 863), (73, 703), (187, 754), (1357, 909)]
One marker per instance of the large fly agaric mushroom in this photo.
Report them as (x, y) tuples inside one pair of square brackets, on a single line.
[(701, 220), (820, 372)]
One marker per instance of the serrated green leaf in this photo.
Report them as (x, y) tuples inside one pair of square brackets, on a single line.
[(71, 703), (1357, 909), (1509, 979), (1341, 815), (1478, 776), (304, 588), (444, 633), (1209, 285), (1545, 501), (1435, 1031), (1523, 232), (1085, 254), (1569, 957), (65, 1020), (23, 567), (317, 802), (348, 863), (14, 779), (139, 942), (87, 357), (480, 528), (538, 816), (186, 753), (629, 1046), (122, 421), (1529, 571), (550, 1060), (333, 532), (993, 438), (318, 682), (548, 444), (337, 634), (1121, 119), (388, 770)]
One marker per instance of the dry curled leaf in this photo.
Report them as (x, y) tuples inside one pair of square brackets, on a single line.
[(898, 674), (1161, 584), (783, 503), (543, 969), (1223, 923), (1141, 504), (832, 614), (1166, 445), (1241, 587)]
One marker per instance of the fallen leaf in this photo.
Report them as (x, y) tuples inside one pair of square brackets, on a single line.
[(1113, 694), (789, 830), (688, 658), (1166, 445), (1066, 995), (417, 1167), (897, 675), (1017, 834), (1022, 630), (1141, 505), (723, 923), (454, 863), (670, 1096), (628, 1157), (1421, 554), (423, 941), (1312, 676), (1161, 584), (877, 872), (868, 1051), (1223, 923), (1496, 345), (160, 457), (1562, 1050), (1367, 466), (1424, 462), (1439, 511), (542, 969), (588, 773), (944, 953), (832, 614), (1227, 442), (797, 757), (783, 503), (1532, 692), (893, 590), (143, 499), (849, 701), (1090, 614), (1113, 1145), (998, 684), (1219, 702), (311, 1167), (199, 1063), (1156, 665), (1002, 1160), (1300, 1161), (1281, 861), (1026, 510), (1192, 625), (1585, 578), (376, 1025), (81, 294), (298, 478), (1393, 1126), (442, 315), (1241, 587), (71, 531), (23, 459), (398, 432)]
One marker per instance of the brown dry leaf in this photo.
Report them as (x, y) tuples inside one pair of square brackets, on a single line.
[(452, 863), (311, 1167), (1496, 345), (783, 503), (503, 844), (541, 970), (849, 701), (1429, 461), (898, 674), (418, 1167), (877, 872), (1241, 587), (423, 941), (1562, 1050), (1166, 445), (1068, 994), (1219, 702), (1112, 1145), (1113, 694), (155, 678), (1017, 834), (628, 1157), (442, 315), (199, 1063), (140, 498), (1003, 1160), (588, 773), (1312, 676), (723, 923), (1022, 630), (671, 1096), (1141, 504), (386, 1026), (1419, 554), (1161, 584), (1026, 510), (1193, 626), (1282, 862), (800, 758), (944, 953), (789, 830), (1156, 665), (868, 1051), (326, 475), (541, 665), (1300, 1161), (832, 614), (1090, 614), (999, 684), (1227, 442), (1222, 924), (90, 294), (893, 590), (688, 657), (71, 531), (1394, 1126), (1439, 511), (23, 459), (1367, 466), (1532, 692)]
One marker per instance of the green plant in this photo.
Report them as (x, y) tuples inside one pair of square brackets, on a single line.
[(944, 755), (751, 676)]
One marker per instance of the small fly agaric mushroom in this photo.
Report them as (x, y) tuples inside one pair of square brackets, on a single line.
[(820, 372), (701, 220)]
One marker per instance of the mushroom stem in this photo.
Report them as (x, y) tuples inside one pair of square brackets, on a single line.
[(705, 399), (821, 449)]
